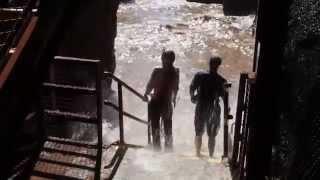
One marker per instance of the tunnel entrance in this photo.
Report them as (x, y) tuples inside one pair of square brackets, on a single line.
[(195, 32)]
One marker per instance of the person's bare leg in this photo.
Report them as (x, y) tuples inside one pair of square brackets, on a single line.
[(167, 125), (198, 143), (211, 145), (212, 133), (156, 139), (154, 116)]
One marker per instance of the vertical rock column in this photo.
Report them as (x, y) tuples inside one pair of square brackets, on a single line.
[(299, 150), (91, 32)]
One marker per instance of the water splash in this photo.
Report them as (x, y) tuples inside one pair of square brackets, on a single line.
[(195, 32)]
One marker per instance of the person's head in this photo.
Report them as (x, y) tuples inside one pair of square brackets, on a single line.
[(167, 58), (214, 63)]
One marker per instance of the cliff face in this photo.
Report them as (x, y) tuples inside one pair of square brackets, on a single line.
[(91, 32), (299, 149), (234, 7)]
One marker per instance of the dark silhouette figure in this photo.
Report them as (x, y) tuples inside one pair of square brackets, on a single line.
[(205, 90), (164, 83)]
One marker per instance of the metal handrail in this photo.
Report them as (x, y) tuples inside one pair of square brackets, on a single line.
[(18, 38), (242, 133), (25, 15), (9, 65), (119, 108), (108, 103), (110, 75)]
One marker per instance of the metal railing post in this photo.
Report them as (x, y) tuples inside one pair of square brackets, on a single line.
[(99, 98), (227, 117), (239, 120), (247, 131), (149, 128), (120, 101), (226, 127), (120, 109)]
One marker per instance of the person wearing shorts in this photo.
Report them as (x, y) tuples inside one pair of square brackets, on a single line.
[(205, 90)]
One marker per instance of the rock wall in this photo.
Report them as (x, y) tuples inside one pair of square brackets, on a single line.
[(234, 7), (299, 148), (91, 32)]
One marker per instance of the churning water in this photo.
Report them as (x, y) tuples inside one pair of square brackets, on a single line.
[(195, 32)]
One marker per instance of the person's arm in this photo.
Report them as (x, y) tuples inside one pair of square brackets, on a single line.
[(193, 87), (224, 94), (224, 97), (150, 85), (176, 86)]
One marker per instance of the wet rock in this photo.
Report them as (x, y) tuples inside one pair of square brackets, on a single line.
[(299, 112), (127, 1), (180, 33), (180, 25), (206, 1), (239, 8), (169, 27), (206, 18), (91, 32)]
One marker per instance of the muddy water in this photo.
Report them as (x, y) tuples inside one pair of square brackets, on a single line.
[(195, 32)]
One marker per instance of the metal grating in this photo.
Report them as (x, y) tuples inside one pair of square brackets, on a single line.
[(65, 159), (56, 171)]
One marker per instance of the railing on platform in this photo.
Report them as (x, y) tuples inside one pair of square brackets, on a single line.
[(123, 146), (119, 107), (14, 19), (227, 117), (16, 27), (242, 134)]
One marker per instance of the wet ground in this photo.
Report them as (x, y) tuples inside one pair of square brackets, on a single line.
[(195, 32)]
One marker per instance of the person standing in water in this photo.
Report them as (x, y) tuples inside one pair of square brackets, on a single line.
[(164, 83), (205, 90)]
